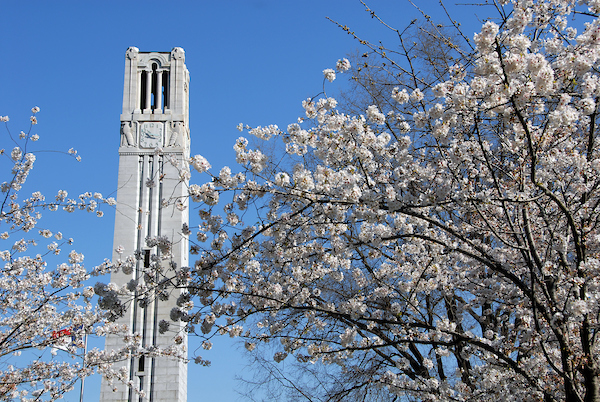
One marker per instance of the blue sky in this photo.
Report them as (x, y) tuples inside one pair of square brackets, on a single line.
[(250, 61)]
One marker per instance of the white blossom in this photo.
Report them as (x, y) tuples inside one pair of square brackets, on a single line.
[(329, 74), (342, 65), (199, 163)]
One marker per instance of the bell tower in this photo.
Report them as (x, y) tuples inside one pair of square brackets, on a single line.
[(152, 200)]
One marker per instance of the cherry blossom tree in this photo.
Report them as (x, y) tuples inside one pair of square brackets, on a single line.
[(46, 303), (442, 245)]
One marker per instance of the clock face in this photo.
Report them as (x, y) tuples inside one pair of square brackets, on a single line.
[(151, 135)]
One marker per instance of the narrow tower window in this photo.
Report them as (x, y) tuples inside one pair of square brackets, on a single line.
[(165, 89), (154, 87), (143, 91)]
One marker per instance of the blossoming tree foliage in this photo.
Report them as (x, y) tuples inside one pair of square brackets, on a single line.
[(442, 248), (446, 250), (46, 307), (41, 308)]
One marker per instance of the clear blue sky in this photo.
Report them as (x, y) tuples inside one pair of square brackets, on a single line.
[(250, 61)]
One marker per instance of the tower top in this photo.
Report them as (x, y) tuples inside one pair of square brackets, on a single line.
[(155, 102), (144, 57), (156, 86)]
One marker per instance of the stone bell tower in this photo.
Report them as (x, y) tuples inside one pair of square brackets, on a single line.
[(152, 202)]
